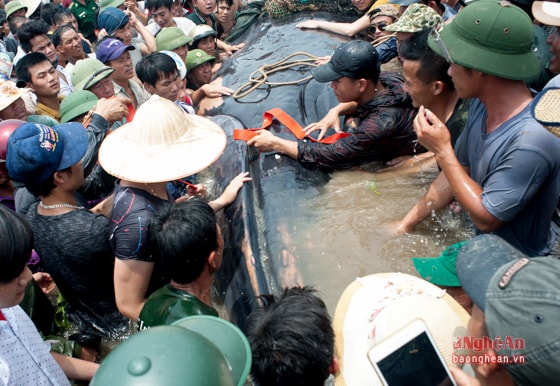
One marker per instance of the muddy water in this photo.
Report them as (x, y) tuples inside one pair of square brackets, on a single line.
[(310, 229), (346, 234)]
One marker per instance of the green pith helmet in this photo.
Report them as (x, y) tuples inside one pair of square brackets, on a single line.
[(228, 338), (77, 103), (88, 72), (104, 4), (170, 38), (491, 36), (197, 57), (165, 356), (14, 6)]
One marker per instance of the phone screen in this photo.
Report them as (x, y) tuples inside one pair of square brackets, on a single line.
[(415, 363)]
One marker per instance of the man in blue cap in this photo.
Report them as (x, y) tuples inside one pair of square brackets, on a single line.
[(377, 101), (505, 168)]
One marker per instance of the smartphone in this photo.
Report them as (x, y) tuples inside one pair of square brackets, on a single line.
[(410, 357)]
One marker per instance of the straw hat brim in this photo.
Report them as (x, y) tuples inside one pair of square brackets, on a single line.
[(545, 109), (546, 12), (127, 154), (31, 5), (11, 95), (382, 304)]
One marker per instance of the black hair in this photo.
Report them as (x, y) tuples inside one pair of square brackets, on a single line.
[(155, 66), (292, 339), (30, 30), (13, 23), (29, 60), (59, 17), (152, 5), (46, 187), (432, 66), (48, 12), (16, 244), (229, 2), (57, 34), (183, 235)]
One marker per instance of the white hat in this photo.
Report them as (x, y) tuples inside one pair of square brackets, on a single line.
[(376, 306), (161, 144), (547, 12), (31, 5), (9, 93)]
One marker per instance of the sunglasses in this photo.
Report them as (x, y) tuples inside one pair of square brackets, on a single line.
[(374, 27), (436, 37)]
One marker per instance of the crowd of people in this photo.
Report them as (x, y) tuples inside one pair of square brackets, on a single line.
[(99, 196)]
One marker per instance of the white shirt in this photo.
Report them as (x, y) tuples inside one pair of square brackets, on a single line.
[(25, 359), (186, 25)]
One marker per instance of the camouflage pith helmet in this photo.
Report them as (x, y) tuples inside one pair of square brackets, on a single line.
[(416, 18)]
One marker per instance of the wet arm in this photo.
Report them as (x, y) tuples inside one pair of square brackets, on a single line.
[(438, 195), (266, 141), (149, 39), (434, 135), (132, 278), (345, 29), (75, 368), (230, 193), (467, 191)]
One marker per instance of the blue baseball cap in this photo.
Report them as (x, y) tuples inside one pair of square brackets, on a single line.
[(111, 49), (35, 151), (111, 20)]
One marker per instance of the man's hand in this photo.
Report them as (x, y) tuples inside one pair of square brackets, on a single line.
[(322, 60), (113, 109), (309, 24), (215, 90), (230, 193), (331, 120), (44, 281), (230, 49), (264, 141), (462, 378), (431, 131)]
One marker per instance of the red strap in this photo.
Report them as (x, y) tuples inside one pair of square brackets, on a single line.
[(287, 121), (2, 316)]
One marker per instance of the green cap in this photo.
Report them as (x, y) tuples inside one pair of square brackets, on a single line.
[(77, 103), (14, 6), (170, 38), (491, 36), (228, 338), (440, 270), (87, 72), (197, 57), (166, 356), (103, 4), (416, 18)]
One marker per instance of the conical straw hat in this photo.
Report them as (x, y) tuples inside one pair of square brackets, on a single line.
[(161, 144), (546, 111), (374, 307)]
